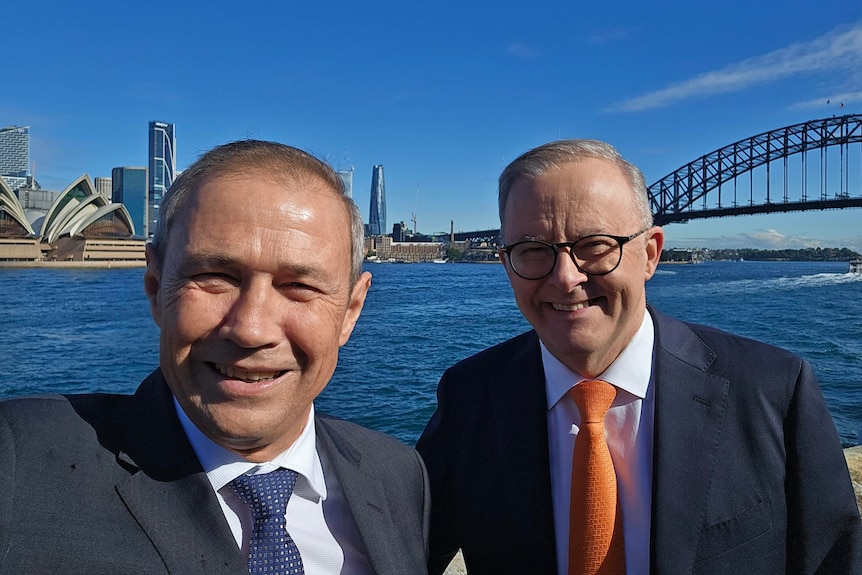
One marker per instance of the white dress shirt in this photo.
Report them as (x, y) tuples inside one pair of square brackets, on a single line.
[(318, 518), (629, 426)]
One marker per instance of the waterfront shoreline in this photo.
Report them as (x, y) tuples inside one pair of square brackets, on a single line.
[(116, 264)]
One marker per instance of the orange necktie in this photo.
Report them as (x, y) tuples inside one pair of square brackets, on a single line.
[(595, 520)]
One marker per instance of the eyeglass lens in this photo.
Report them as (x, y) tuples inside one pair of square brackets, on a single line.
[(592, 255)]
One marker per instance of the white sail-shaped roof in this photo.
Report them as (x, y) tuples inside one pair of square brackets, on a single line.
[(10, 205), (89, 217), (79, 207), (69, 218), (78, 196)]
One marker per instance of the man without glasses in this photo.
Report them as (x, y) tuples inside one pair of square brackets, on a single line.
[(254, 277), (612, 438)]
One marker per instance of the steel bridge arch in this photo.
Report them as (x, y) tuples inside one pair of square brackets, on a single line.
[(673, 198)]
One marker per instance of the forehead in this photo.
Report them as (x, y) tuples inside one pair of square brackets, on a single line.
[(292, 194), (590, 195), (264, 211)]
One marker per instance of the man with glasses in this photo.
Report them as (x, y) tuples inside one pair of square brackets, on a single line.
[(612, 438)]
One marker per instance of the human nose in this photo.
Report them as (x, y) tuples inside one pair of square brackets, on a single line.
[(252, 321), (566, 273)]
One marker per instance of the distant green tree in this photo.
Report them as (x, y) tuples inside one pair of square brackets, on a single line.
[(817, 254)]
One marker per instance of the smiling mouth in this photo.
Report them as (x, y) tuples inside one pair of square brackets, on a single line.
[(247, 376), (573, 306)]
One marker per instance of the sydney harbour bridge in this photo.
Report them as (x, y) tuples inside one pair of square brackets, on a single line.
[(815, 165)]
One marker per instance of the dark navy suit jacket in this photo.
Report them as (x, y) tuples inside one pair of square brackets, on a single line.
[(749, 474), (109, 484)]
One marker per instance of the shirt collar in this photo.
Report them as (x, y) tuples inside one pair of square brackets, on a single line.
[(223, 466), (630, 371)]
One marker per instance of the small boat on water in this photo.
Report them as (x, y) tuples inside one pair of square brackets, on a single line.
[(854, 267)]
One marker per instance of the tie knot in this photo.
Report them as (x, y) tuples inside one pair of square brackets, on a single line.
[(593, 398), (266, 494)]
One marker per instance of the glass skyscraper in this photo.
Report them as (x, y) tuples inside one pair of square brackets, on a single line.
[(162, 168), (15, 155), (377, 209), (347, 180), (129, 187)]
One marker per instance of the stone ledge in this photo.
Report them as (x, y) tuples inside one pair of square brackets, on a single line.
[(456, 567), (853, 455)]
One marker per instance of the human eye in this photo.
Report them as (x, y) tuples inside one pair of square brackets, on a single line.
[(532, 251), (214, 279), (595, 245), (297, 286), (300, 289)]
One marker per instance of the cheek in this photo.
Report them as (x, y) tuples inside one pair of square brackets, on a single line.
[(313, 329), (191, 314), (523, 289), (326, 318), (628, 294)]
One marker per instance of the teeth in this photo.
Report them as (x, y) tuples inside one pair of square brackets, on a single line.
[(249, 376), (572, 307)]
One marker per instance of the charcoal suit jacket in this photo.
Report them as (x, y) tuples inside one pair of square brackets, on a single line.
[(109, 484), (748, 471)]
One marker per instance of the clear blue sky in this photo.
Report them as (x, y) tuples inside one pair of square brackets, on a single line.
[(443, 93)]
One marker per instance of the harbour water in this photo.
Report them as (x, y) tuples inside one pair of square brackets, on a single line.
[(66, 330)]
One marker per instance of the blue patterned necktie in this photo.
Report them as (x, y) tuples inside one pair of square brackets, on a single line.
[(271, 549)]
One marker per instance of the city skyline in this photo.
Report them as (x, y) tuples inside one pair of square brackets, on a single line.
[(449, 101)]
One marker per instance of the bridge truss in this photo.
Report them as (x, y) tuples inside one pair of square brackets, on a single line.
[(713, 186)]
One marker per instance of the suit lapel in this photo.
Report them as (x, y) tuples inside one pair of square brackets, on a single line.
[(520, 401), (168, 493), (689, 407), (364, 495), (185, 523)]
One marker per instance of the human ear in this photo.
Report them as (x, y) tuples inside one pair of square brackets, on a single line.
[(152, 280), (354, 306), (654, 244)]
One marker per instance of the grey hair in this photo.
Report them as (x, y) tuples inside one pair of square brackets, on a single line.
[(268, 157), (533, 163)]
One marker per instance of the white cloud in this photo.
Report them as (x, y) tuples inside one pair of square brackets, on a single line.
[(840, 49), (835, 102), (764, 240), (521, 51), (765, 237), (609, 36)]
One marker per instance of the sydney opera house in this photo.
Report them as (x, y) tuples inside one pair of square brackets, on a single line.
[(81, 225)]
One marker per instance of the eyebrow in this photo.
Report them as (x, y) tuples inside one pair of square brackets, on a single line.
[(198, 259), (580, 237)]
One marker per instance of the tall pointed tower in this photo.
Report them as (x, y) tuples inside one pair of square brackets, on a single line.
[(162, 168), (377, 209)]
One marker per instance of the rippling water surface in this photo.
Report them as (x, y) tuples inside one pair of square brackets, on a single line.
[(90, 330)]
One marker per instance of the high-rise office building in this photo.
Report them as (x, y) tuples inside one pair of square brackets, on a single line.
[(15, 155), (347, 179), (162, 167), (103, 186), (129, 187), (377, 209)]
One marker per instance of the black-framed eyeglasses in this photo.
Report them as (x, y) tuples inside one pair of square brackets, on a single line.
[(594, 255)]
